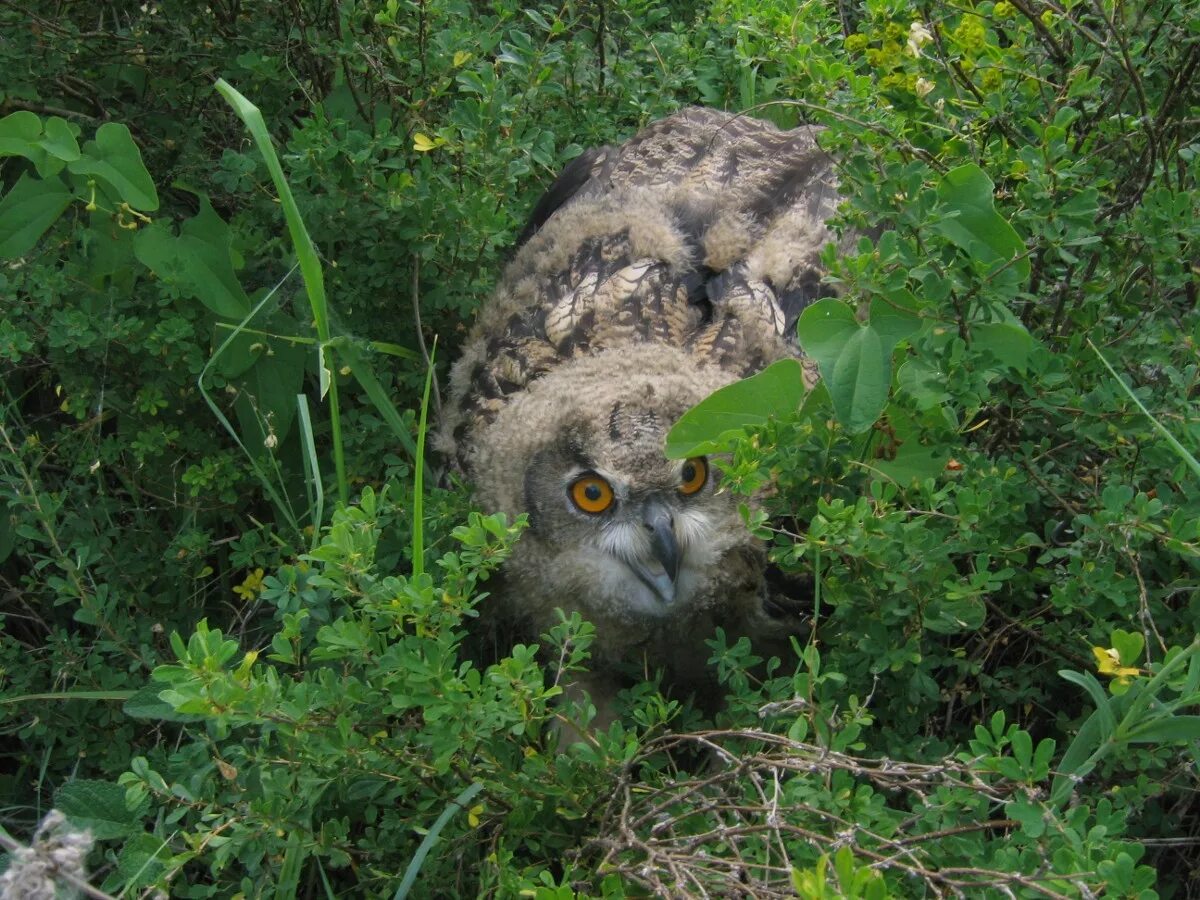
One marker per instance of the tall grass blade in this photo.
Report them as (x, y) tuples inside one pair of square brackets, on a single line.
[(312, 470), (418, 533), (380, 399), (278, 498), (414, 867), (310, 267), (1180, 450)]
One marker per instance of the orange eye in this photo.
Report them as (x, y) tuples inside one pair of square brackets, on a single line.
[(694, 475), (591, 493)]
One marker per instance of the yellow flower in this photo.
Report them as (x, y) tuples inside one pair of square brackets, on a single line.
[(252, 586), (1108, 661)]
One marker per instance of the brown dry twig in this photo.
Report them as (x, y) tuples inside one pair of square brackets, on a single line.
[(726, 833)]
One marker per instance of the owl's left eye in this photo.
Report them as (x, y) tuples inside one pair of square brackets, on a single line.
[(591, 493), (693, 475)]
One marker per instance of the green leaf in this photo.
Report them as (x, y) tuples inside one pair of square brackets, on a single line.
[(1166, 730), (142, 859), (895, 318), (1088, 682), (1031, 817), (268, 402), (854, 359), (946, 616), (199, 261), (98, 806), (146, 704), (975, 227), (923, 382), (114, 158), (1009, 342), (708, 426), (27, 211), (59, 140), (19, 133), (1129, 645)]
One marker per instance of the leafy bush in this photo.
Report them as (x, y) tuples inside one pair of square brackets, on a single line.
[(245, 688)]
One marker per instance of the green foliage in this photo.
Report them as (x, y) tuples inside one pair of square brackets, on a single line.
[(245, 691)]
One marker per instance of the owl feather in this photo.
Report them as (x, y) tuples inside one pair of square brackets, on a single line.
[(649, 275)]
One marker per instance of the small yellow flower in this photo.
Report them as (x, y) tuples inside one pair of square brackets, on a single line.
[(923, 87), (252, 586), (1108, 661)]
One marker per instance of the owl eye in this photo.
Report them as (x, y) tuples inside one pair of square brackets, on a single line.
[(694, 475), (591, 493)]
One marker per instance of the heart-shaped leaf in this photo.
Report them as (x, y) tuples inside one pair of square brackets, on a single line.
[(975, 227), (27, 211), (709, 426), (114, 158)]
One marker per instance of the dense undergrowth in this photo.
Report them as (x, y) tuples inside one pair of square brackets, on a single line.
[(247, 687)]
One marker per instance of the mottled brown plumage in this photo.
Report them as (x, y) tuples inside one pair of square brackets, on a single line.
[(650, 275)]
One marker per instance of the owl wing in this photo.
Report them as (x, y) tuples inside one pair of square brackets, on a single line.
[(703, 232)]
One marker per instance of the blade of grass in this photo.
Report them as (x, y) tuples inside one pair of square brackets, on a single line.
[(418, 533), (280, 499), (312, 470), (310, 268), (378, 346), (414, 867), (287, 883), (375, 392), (70, 695), (1180, 450)]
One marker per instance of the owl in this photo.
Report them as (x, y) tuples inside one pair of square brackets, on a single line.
[(649, 275)]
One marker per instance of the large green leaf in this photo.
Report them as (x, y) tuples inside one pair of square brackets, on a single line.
[(1009, 342), (114, 158), (19, 133), (855, 359), (267, 404), (707, 427), (31, 207), (58, 140), (975, 227), (199, 261), (98, 806)]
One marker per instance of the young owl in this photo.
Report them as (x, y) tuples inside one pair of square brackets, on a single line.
[(650, 275)]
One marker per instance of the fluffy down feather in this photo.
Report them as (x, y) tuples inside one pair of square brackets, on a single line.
[(650, 274)]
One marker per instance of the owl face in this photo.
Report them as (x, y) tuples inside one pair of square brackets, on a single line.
[(625, 530), (637, 543)]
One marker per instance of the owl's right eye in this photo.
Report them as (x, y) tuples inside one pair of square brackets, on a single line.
[(591, 493)]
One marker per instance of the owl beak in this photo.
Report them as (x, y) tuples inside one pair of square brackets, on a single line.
[(660, 571)]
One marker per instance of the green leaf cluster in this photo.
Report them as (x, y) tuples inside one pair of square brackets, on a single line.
[(986, 509)]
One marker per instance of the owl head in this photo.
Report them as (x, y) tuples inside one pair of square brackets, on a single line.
[(618, 532)]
